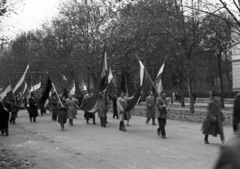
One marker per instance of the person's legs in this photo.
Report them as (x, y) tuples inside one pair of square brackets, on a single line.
[(159, 127), (153, 121), (94, 120), (206, 139), (147, 120), (34, 119), (162, 127), (222, 137)]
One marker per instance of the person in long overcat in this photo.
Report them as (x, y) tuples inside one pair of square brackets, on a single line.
[(72, 108), (5, 108), (151, 108), (33, 109), (62, 112), (213, 124)]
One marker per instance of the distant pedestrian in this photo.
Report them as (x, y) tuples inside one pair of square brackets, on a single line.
[(5, 109), (72, 109), (194, 97), (103, 106), (236, 113), (62, 112), (151, 108), (33, 109), (162, 108), (14, 111), (214, 119), (121, 106), (176, 96), (210, 95), (53, 101)]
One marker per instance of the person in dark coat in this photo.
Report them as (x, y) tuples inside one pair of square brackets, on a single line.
[(230, 151), (236, 112), (162, 105), (114, 101), (151, 108), (33, 109), (214, 119), (5, 108), (14, 111), (62, 112), (54, 106)]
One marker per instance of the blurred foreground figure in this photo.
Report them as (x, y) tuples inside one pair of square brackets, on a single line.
[(230, 152)]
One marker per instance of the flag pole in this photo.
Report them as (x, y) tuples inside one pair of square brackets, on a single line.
[(148, 75), (57, 95)]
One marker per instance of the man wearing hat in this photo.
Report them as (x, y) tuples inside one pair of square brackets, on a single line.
[(214, 119), (230, 151), (162, 106)]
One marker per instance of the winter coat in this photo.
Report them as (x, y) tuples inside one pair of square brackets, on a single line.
[(151, 107), (33, 110), (161, 105)]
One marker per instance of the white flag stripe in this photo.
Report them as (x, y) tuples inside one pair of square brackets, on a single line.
[(110, 76), (5, 92), (159, 87), (72, 91), (24, 90), (161, 69), (36, 87), (141, 73), (21, 80)]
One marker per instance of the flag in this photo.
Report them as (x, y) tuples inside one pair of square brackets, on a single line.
[(104, 78), (46, 92), (110, 75), (64, 77), (36, 87), (158, 80), (90, 104), (73, 89), (7, 91), (21, 80), (137, 95), (24, 90), (65, 92)]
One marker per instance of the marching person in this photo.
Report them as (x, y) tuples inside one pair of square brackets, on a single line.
[(72, 108), (14, 111), (62, 112), (115, 111), (53, 101), (162, 108), (121, 106), (230, 152), (5, 108), (214, 119), (103, 106), (33, 110), (127, 114), (151, 108)]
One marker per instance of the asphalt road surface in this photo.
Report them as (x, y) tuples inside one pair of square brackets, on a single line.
[(88, 146)]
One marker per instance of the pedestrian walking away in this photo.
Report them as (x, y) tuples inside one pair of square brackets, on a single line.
[(214, 119)]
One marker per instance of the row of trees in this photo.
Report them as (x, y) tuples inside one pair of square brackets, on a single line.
[(194, 41)]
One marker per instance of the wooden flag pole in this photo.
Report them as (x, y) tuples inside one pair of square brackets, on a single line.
[(57, 95)]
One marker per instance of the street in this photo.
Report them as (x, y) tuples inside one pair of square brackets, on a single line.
[(88, 146)]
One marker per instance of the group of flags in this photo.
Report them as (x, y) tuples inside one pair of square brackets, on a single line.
[(21, 87), (106, 77)]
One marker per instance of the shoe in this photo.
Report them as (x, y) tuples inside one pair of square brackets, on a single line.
[(62, 129), (154, 124), (163, 137), (94, 123), (6, 134), (128, 125), (206, 142)]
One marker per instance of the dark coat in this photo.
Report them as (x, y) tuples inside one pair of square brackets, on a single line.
[(33, 110), (4, 115), (62, 113), (214, 118), (161, 110), (230, 154), (151, 107)]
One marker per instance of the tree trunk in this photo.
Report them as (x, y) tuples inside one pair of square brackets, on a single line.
[(220, 77), (182, 93), (190, 91)]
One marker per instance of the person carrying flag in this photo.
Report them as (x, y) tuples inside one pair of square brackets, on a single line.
[(62, 112), (53, 101)]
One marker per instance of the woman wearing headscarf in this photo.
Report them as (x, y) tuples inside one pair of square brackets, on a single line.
[(72, 109), (62, 112)]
